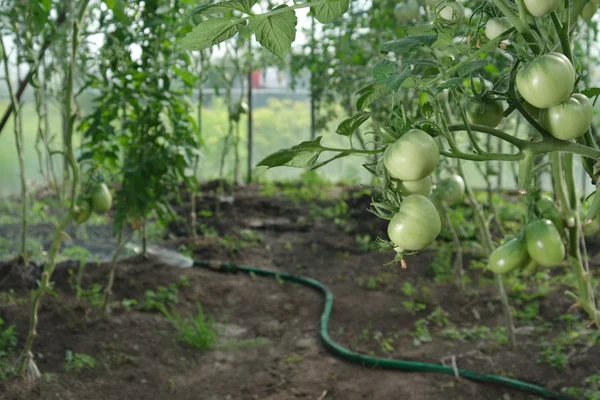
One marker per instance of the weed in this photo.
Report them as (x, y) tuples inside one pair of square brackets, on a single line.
[(196, 331), (421, 334), (294, 358), (164, 295), (554, 354), (365, 243), (77, 362)]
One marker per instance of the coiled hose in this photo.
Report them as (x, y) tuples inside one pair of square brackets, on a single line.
[(403, 365)]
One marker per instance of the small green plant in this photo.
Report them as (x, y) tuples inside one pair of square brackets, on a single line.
[(421, 334), (409, 290), (338, 213), (93, 295), (365, 243), (129, 304), (77, 362), (554, 354), (8, 338), (590, 392), (196, 331), (439, 317), (414, 307), (164, 295), (81, 254)]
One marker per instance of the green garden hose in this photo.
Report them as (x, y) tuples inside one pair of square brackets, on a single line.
[(404, 365)]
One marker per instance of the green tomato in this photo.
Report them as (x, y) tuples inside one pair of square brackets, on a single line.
[(422, 187), (495, 27), (243, 108), (507, 257), (101, 198), (591, 228), (416, 225), (452, 13), (569, 119), (412, 157), (539, 8), (588, 11), (405, 12), (488, 113), (547, 208), (533, 111), (450, 190), (544, 244), (531, 268), (83, 211), (547, 80)]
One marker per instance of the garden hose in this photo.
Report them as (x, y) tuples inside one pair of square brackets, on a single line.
[(403, 365)]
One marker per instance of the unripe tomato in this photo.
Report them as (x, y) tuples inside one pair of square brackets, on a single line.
[(588, 11), (495, 27), (544, 244), (416, 225), (452, 13), (405, 12), (450, 190), (592, 228), (569, 119), (83, 211), (539, 8), (412, 157), (243, 108), (533, 111), (422, 187), (508, 256), (488, 113), (531, 268), (547, 80), (547, 208), (101, 198)]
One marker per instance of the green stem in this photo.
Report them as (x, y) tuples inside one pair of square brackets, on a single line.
[(458, 260), (563, 36), (17, 120), (111, 276), (518, 143), (488, 245), (26, 357)]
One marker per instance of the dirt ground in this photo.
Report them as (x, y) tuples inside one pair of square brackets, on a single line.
[(276, 324)]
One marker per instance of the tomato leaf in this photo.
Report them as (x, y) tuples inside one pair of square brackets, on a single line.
[(471, 67), (276, 32), (592, 93), (382, 69), (211, 32), (348, 126), (330, 11), (395, 80), (236, 5), (370, 93), (408, 44), (302, 155), (450, 83)]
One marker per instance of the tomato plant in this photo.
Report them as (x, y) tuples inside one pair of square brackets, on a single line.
[(539, 8)]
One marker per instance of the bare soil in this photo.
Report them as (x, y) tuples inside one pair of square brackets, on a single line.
[(137, 356)]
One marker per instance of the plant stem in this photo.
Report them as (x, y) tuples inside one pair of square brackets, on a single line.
[(565, 188), (26, 357), (488, 245), (519, 25), (458, 260), (17, 120), (111, 276)]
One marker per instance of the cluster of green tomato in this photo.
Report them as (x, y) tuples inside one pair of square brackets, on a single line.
[(99, 201), (410, 160)]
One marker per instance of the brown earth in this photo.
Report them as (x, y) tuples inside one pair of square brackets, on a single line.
[(137, 356)]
